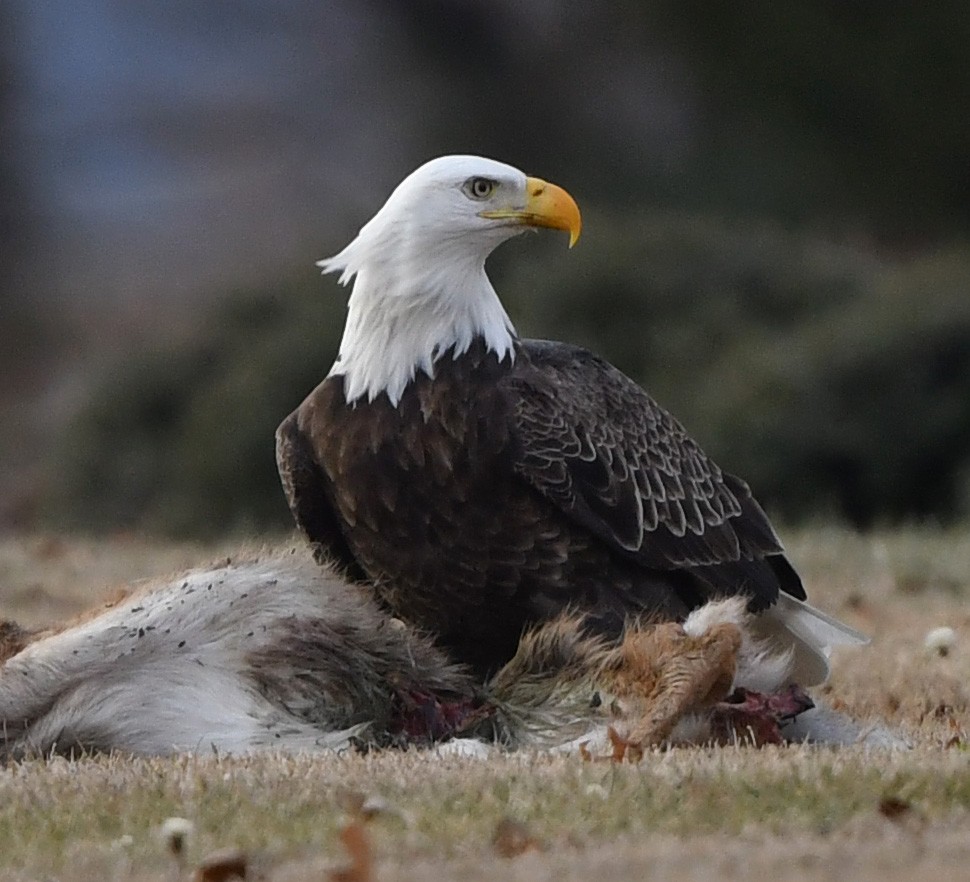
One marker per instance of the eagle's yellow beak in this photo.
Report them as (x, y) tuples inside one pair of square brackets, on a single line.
[(546, 206)]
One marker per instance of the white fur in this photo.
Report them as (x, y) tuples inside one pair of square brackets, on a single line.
[(421, 286), (822, 725), (164, 670), (170, 669)]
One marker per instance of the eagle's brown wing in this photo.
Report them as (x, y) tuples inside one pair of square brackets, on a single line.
[(304, 486), (596, 445)]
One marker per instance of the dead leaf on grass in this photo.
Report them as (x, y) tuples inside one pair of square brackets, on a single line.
[(943, 711), (222, 866), (957, 736), (893, 807), (355, 839), (623, 749), (902, 814), (512, 838)]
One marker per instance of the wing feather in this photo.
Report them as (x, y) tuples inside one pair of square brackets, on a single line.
[(303, 485), (595, 444)]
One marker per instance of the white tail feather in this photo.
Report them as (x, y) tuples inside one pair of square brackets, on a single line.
[(811, 634)]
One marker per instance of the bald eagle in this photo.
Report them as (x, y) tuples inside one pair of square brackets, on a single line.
[(482, 482)]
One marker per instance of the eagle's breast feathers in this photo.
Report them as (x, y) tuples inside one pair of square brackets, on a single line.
[(497, 492)]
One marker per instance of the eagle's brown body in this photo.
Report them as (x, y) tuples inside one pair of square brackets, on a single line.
[(496, 494)]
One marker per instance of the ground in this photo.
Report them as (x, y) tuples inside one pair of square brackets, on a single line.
[(790, 813)]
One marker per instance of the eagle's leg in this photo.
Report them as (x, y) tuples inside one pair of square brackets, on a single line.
[(664, 674)]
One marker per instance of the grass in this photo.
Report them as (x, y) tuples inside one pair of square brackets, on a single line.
[(788, 813)]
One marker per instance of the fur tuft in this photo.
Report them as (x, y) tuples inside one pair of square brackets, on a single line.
[(762, 666)]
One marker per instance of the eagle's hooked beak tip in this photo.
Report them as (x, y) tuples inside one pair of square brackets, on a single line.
[(547, 205), (551, 206)]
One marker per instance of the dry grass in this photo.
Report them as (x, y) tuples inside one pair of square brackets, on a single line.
[(786, 814)]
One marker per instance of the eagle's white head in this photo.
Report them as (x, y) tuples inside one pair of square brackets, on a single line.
[(419, 264)]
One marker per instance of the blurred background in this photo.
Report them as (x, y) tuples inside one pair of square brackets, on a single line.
[(776, 200)]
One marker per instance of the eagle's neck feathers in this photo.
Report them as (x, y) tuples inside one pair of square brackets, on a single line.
[(408, 309)]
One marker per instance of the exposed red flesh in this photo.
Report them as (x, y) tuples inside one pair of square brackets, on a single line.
[(423, 717), (758, 716)]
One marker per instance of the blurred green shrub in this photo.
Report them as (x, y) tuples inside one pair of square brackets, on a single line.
[(834, 382), (837, 384), (180, 440)]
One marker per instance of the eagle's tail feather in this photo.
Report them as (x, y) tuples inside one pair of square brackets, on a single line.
[(810, 632)]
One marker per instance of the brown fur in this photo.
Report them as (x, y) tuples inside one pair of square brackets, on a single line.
[(13, 639), (669, 674), (656, 676), (339, 664), (276, 652)]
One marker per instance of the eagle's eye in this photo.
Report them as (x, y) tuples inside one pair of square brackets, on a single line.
[(480, 188)]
